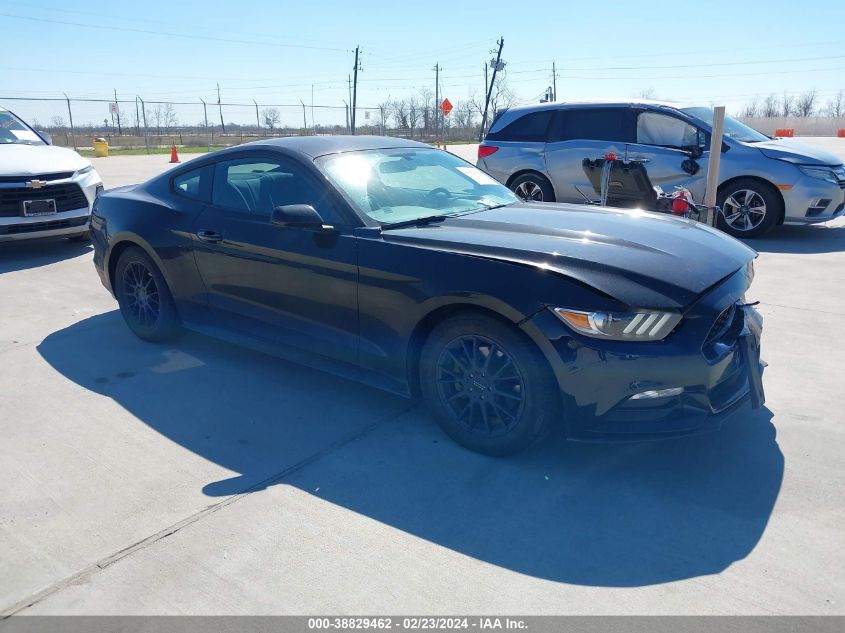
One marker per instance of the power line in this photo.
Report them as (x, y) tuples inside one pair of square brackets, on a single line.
[(169, 34)]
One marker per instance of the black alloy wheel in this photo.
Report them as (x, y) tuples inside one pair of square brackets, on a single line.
[(144, 298), (487, 385)]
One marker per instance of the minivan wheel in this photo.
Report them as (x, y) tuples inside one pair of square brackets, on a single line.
[(487, 387), (533, 188), (144, 298), (750, 208)]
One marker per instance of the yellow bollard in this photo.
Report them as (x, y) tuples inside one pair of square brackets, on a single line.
[(101, 147)]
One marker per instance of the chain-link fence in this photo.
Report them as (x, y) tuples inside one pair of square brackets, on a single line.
[(145, 124)]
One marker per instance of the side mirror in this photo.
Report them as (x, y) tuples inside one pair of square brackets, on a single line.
[(299, 216), (696, 151), (46, 137)]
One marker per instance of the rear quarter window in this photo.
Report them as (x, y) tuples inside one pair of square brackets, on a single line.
[(194, 184), (531, 127)]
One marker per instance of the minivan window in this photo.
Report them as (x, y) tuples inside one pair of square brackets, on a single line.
[(733, 128), (531, 127), (596, 124), (654, 128)]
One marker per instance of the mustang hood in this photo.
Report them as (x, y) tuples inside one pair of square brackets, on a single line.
[(641, 259), (795, 152), (32, 160)]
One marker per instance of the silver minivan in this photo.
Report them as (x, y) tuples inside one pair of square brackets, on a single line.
[(538, 152)]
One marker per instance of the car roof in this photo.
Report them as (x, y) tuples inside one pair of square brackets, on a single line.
[(599, 102), (314, 146)]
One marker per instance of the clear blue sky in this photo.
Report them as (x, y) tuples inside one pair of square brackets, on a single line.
[(274, 52)]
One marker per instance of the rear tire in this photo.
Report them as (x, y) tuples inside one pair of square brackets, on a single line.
[(144, 298), (488, 388), (750, 208), (533, 188)]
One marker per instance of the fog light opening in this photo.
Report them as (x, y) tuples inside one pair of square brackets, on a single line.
[(657, 393)]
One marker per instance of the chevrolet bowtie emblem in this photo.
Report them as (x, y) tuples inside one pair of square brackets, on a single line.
[(36, 184)]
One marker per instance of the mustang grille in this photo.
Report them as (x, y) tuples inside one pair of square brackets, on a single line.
[(68, 196)]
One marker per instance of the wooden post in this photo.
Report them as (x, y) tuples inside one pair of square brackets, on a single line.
[(713, 164)]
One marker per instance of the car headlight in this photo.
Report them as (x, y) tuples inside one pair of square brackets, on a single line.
[(640, 325), (822, 173), (85, 170)]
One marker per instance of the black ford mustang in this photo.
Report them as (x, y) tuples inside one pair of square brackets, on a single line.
[(407, 268)]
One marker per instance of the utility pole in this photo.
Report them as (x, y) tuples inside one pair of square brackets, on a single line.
[(205, 117), (346, 106), (304, 121), (312, 107), (496, 65), (436, 97), (220, 108), (117, 109), (257, 120), (355, 90), (554, 83), (138, 119)]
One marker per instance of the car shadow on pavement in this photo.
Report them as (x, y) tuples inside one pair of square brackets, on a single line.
[(600, 515), (801, 240), (40, 252)]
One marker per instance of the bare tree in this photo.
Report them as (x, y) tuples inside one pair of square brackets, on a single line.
[(271, 117), (384, 110), (502, 96), (787, 104), (415, 112), (168, 116), (400, 114), (805, 104), (464, 114), (57, 122), (647, 93), (751, 109), (428, 108), (770, 107), (836, 105)]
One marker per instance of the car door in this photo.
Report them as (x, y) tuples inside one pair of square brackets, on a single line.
[(663, 145), (294, 286), (580, 132)]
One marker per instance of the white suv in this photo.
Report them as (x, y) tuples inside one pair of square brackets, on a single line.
[(45, 191)]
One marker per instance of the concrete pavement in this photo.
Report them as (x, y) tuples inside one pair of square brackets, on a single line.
[(198, 477)]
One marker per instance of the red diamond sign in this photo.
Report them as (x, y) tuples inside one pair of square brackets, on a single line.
[(446, 107)]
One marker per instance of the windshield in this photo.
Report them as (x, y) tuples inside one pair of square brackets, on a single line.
[(733, 128), (400, 185), (13, 130)]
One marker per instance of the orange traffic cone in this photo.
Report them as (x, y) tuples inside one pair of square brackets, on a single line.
[(174, 157)]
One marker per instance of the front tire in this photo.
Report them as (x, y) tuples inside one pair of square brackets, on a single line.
[(533, 188), (144, 298), (489, 389), (750, 208)]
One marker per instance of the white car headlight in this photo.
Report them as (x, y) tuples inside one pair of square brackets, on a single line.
[(822, 173), (640, 325), (85, 170)]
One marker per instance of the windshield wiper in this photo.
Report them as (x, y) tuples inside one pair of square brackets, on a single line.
[(426, 219)]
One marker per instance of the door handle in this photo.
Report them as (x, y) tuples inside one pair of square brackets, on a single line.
[(209, 236)]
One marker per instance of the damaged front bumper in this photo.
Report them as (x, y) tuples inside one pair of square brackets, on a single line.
[(706, 371)]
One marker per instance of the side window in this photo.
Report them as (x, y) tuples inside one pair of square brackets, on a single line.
[(259, 185), (193, 184), (654, 128), (596, 124), (531, 127)]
